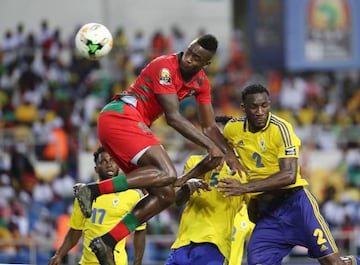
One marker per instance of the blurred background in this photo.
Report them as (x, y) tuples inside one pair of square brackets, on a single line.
[(307, 52)]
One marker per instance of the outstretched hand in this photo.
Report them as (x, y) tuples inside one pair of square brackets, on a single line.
[(181, 181), (208, 163), (197, 185), (230, 187)]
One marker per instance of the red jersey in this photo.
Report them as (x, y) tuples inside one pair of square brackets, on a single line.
[(162, 76)]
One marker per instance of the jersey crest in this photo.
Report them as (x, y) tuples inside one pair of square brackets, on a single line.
[(115, 202), (262, 145), (165, 77)]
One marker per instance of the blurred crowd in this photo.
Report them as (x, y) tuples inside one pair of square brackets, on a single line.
[(50, 98)]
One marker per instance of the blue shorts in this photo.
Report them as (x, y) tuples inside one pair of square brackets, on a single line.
[(293, 221), (196, 254)]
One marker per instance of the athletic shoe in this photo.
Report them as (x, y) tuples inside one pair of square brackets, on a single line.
[(103, 252), (83, 195)]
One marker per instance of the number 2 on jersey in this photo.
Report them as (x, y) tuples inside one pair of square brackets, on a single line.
[(320, 236), (257, 157)]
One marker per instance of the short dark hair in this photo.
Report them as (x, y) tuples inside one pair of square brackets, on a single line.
[(222, 119), (253, 89), (98, 152), (208, 42)]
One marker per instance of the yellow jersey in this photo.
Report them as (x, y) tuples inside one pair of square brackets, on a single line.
[(259, 152), (241, 232), (107, 211), (209, 216)]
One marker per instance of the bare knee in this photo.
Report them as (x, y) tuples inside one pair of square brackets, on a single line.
[(156, 164), (157, 200)]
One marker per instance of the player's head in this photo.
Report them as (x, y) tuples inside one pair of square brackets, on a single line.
[(105, 166), (198, 54), (256, 105)]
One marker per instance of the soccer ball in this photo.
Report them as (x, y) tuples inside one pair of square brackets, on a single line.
[(93, 41)]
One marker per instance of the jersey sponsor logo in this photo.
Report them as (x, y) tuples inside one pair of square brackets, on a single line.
[(165, 77), (241, 143), (290, 151), (323, 248)]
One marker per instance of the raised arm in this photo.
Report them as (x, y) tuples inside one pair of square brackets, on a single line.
[(170, 104), (210, 129)]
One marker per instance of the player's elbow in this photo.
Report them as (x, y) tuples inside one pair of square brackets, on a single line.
[(209, 130), (172, 120)]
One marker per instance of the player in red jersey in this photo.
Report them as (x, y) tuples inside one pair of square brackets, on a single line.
[(124, 131)]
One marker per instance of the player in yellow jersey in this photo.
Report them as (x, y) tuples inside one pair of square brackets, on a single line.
[(106, 211), (206, 225), (285, 212), (241, 233)]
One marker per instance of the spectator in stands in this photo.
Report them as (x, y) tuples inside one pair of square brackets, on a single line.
[(8, 47), (7, 192), (7, 247), (62, 185), (22, 170), (10, 77), (27, 112), (58, 146), (20, 38), (28, 51), (44, 34), (43, 193), (138, 49), (176, 40), (293, 93), (159, 44), (43, 233), (121, 41), (332, 210)]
